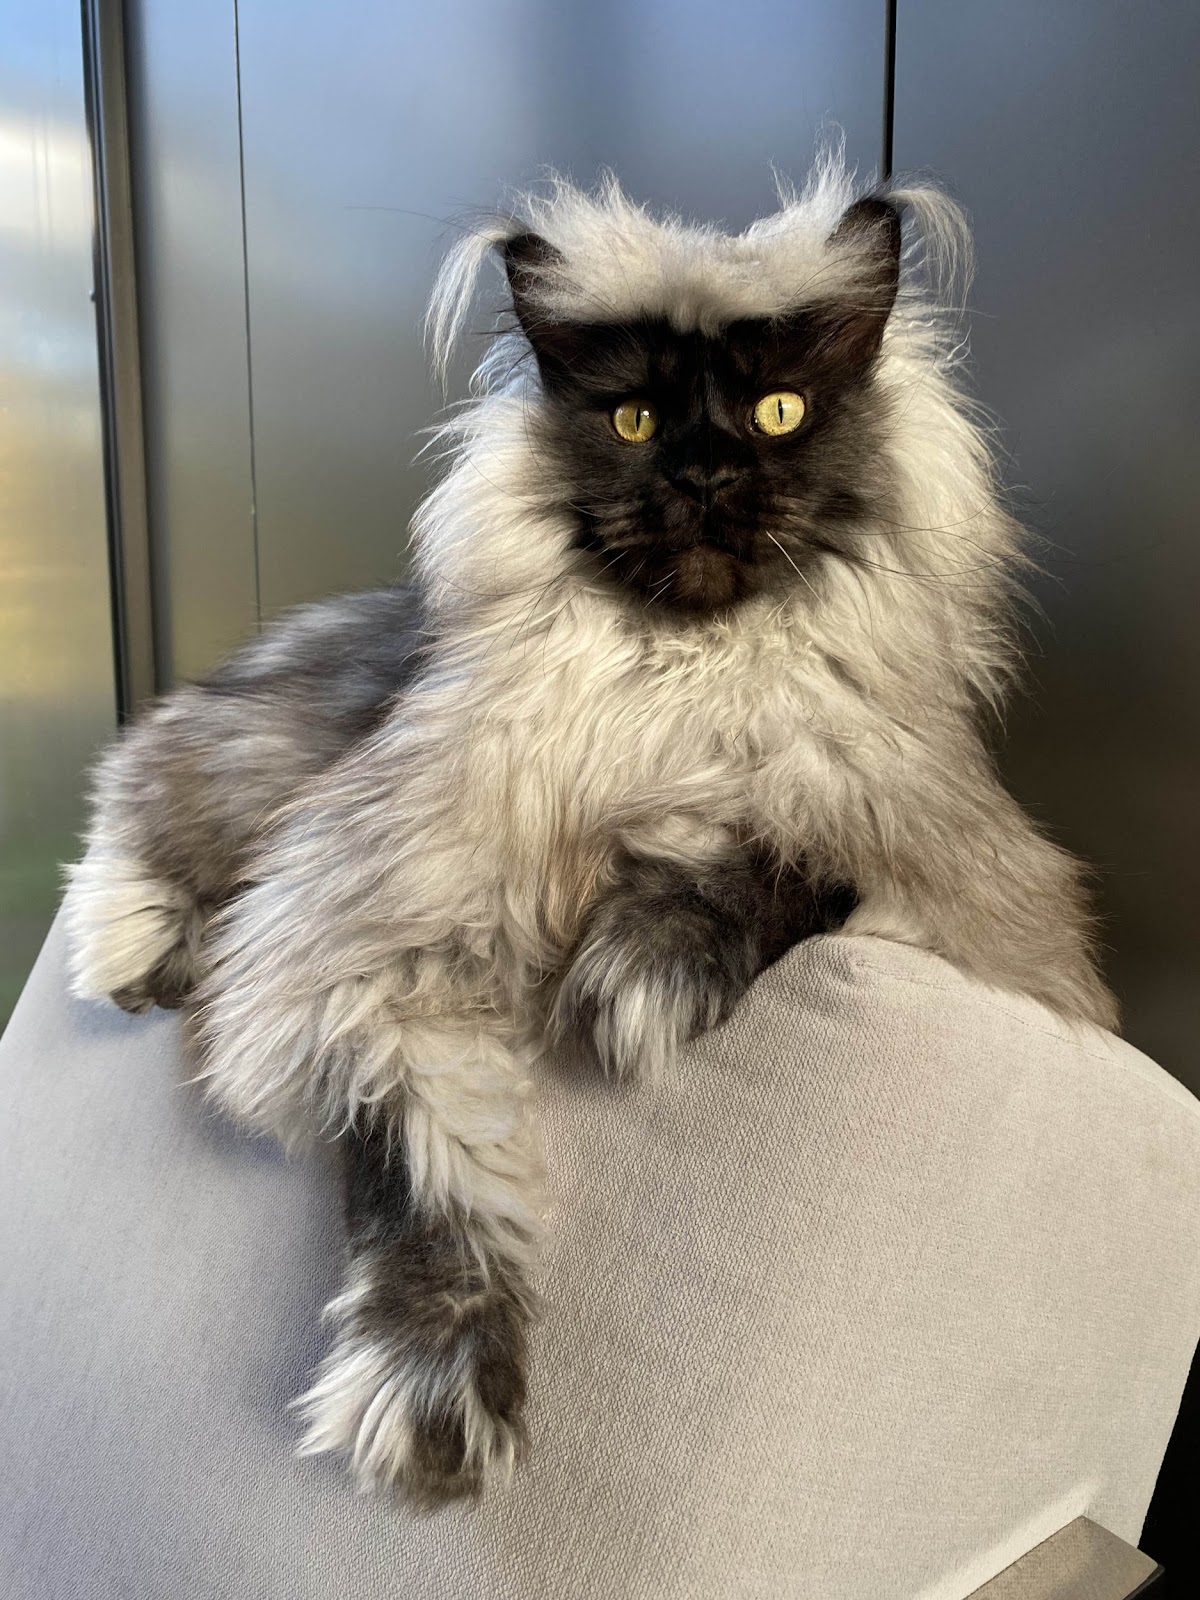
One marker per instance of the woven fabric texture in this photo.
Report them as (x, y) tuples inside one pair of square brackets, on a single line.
[(899, 1276)]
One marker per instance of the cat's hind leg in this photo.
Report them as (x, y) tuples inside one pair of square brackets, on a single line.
[(189, 789), (134, 913)]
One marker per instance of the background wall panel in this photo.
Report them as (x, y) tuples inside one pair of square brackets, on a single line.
[(1073, 136), (369, 128), (186, 171), (57, 689)]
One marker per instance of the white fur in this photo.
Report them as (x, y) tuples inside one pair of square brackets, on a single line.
[(642, 1020), (415, 899), (621, 261), (120, 921)]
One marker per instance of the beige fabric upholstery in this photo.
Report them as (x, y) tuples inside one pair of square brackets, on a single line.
[(898, 1278)]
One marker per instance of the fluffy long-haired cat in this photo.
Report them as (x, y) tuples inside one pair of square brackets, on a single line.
[(708, 607)]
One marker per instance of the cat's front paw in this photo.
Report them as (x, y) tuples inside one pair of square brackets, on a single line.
[(423, 1397), (652, 973), (133, 937)]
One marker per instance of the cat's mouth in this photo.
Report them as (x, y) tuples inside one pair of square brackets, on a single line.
[(702, 578), (698, 570), (708, 576)]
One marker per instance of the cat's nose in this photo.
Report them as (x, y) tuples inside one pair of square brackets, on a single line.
[(703, 483)]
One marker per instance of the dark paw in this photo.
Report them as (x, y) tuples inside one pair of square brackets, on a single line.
[(423, 1396), (652, 973)]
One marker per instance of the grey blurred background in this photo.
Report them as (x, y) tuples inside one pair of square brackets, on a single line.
[(294, 171)]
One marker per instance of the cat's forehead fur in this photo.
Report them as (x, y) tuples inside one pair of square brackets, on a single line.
[(614, 260), (620, 262)]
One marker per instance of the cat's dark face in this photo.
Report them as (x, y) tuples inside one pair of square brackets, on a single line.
[(702, 469)]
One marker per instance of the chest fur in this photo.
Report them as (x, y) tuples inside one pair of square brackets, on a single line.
[(605, 728), (594, 735)]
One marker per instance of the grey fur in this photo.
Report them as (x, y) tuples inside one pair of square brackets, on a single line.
[(195, 783), (667, 953), (389, 834), (422, 1304)]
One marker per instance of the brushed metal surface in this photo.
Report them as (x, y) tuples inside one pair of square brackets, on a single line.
[(181, 66), (1082, 1561), (57, 691), (1071, 133), (369, 127), (120, 354)]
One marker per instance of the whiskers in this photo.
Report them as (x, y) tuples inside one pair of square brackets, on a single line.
[(803, 578), (985, 569)]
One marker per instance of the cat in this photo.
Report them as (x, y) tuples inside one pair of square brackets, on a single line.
[(708, 611)]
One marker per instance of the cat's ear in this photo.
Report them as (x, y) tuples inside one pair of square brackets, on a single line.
[(532, 265), (870, 230), (529, 260)]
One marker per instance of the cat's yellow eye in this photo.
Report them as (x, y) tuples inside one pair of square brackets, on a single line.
[(635, 421), (780, 412)]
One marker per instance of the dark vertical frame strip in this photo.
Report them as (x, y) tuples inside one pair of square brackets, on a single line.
[(889, 89), (237, 58), (115, 296)]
